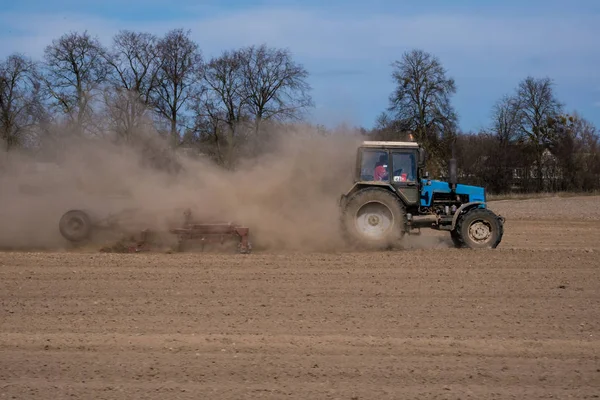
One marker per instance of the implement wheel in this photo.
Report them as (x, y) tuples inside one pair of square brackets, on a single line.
[(75, 225), (374, 218), (479, 228)]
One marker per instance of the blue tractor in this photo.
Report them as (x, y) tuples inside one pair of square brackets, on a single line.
[(392, 195)]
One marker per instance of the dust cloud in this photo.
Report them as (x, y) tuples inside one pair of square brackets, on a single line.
[(288, 197)]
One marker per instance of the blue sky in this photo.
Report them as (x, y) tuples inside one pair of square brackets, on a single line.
[(348, 46)]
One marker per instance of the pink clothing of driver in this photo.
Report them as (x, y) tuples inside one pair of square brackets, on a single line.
[(380, 173)]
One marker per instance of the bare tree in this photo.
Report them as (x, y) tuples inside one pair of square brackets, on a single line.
[(245, 87), (134, 60), (221, 103), (180, 60), (75, 70), (275, 86), (590, 138), (506, 119), (421, 99), (20, 105), (388, 128), (539, 108)]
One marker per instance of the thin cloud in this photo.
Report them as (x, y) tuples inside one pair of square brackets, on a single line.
[(348, 37), (338, 72)]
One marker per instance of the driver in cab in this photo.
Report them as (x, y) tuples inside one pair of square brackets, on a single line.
[(381, 173)]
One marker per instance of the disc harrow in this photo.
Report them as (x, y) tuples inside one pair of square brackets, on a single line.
[(78, 226), (211, 233)]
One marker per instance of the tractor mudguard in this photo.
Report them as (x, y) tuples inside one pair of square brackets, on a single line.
[(359, 185), (462, 208)]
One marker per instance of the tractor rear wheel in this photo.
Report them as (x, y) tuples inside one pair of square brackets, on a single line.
[(374, 218), (479, 228), (75, 225)]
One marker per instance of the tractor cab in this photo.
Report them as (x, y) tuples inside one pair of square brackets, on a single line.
[(396, 164)]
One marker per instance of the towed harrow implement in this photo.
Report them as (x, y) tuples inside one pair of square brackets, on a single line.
[(211, 233), (78, 226)]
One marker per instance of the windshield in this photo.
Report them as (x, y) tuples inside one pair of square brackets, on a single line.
[(405, 167)]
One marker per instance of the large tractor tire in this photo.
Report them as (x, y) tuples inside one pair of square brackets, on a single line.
[(478, 228), (75, 225), (374, 218)]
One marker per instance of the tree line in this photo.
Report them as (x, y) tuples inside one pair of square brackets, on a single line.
[(531, 144), (223, 106), (143, 82)]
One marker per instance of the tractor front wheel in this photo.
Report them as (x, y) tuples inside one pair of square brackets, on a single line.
[(479, 228), (455, 236), (374, 218)]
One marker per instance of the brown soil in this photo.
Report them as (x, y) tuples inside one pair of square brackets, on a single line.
[(518, 322)]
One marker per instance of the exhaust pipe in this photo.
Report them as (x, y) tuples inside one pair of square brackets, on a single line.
[(453, 173)]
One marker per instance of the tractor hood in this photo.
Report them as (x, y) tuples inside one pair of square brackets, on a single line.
[(475, 193)]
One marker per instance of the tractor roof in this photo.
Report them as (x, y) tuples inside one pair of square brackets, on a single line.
[(380, 144)]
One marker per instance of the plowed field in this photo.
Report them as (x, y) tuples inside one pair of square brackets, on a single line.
[(518, 322)]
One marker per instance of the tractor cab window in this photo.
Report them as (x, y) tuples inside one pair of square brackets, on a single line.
[(405, 167), (374, 165)]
